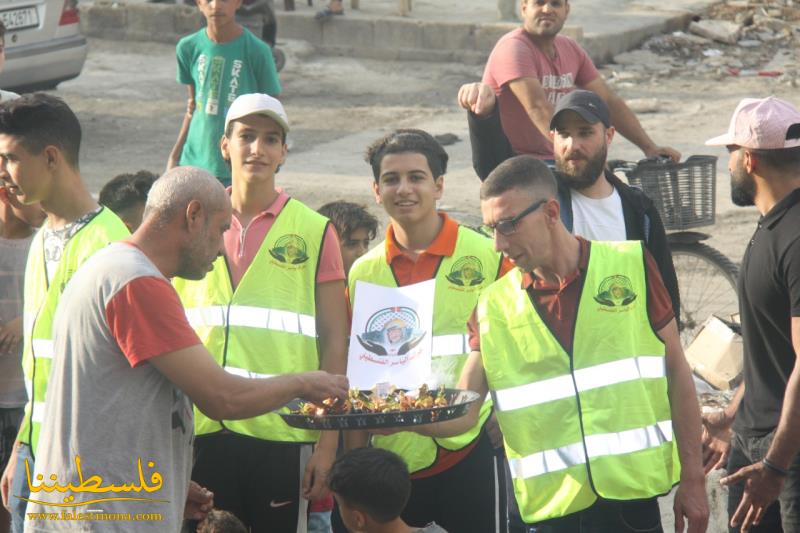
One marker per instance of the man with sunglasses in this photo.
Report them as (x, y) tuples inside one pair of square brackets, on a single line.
[(580, 351), (531, 68)]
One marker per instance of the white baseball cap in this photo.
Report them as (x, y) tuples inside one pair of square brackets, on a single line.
[(762, 123), (258, 104)]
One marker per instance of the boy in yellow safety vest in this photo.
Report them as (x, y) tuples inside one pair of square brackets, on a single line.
[(272, 305), (39, 144), (454, 481)]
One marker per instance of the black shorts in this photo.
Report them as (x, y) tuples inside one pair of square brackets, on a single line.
[(258, 481)]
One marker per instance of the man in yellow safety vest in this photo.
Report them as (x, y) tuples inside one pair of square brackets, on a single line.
[(580, 351)]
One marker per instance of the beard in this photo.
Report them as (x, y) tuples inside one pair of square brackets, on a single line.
[(743, 187), (193, 262), (582, 179)]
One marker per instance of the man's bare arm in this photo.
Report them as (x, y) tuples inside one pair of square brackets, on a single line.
[(473, 378), (177, 150), (763, 484), (331, 309), (717, 433), (625, 121), (332, 326), (223, 396), (786, 443), (690, 501), (531, 95)]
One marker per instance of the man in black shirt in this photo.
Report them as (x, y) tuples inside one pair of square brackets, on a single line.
[(763, 464)]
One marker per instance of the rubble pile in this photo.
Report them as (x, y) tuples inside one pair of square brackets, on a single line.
[(735, 38)]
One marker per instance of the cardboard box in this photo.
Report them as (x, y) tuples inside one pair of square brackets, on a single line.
[(716, 354)]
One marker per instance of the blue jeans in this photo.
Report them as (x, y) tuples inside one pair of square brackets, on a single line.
[(783, 515), (19, 488)]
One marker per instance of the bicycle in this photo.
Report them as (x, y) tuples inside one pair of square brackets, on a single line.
[(684, 194)]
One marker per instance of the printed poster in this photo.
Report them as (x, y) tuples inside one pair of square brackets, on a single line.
[(390, 338)]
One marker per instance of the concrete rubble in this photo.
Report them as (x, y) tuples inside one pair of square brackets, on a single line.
[(734, 38)]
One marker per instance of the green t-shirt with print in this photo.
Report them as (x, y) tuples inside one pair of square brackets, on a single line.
[(219, 73)]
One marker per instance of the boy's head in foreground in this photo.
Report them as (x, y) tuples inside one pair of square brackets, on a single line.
[(218, 521), (371, 486)]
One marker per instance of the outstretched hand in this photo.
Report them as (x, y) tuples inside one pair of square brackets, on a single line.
[(319, 385), (199, 502), (761, 488)]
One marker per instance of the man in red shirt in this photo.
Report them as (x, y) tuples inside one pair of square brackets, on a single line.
[(532, 67), (126, 353)]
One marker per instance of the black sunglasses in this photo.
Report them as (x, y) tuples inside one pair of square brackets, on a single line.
[(509, 226)]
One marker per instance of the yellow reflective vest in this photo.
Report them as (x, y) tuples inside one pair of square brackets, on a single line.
[(459, 279), (267, 326), (39, 306), (594, 422)]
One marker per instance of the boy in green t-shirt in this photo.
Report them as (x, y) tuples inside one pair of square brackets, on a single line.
[(217, 64)]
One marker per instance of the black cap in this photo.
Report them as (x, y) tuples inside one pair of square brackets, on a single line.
[(587, 104)]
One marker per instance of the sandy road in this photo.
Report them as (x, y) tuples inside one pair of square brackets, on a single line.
[(130, 106)]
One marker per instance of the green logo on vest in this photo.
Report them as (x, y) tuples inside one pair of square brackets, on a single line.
[(290, 249), (392, 331), (615, 291), (466, 272)]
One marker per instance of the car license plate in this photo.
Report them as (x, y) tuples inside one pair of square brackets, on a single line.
[(19, 19)]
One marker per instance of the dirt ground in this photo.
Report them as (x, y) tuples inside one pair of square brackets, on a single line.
[(131, 108)]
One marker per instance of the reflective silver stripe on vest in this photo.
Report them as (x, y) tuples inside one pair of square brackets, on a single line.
[(246, 373), (42, 348), (593, 377), (600, 445), (253, 317), (632, 440), (444, 345), (212, 316), (27, 323), (547, 461), (29, 388), (38, 412)]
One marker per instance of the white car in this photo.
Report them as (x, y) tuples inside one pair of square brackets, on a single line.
[(44, 45)]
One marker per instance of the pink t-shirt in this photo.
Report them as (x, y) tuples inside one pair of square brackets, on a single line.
[(514, 57), (242, 244)]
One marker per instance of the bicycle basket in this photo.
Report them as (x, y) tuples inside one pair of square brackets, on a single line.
[(684, 193)]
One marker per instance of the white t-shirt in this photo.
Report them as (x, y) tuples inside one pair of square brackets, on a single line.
[(598, 219)]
